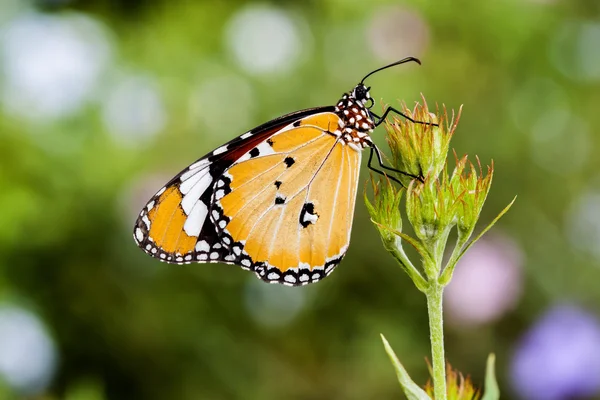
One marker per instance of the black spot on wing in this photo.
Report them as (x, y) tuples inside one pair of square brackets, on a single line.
[(278, 184), (308, 215), (254, 152), (289, 161), (279, 200)]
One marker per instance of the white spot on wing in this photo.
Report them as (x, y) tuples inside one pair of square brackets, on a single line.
[(193, 223), (273, 276), (219, 194), (265, 149), (220, 150), (202, 245), (139, 235), (311, 218), (246, 135), (194, 193)]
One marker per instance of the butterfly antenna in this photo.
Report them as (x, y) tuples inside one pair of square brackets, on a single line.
[(404, 60)]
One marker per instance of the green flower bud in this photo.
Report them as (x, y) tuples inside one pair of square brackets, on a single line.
[(431, 207), (385, 212), (421, 148), (472, 190)]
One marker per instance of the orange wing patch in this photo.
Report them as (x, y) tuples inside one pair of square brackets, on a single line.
[(168, 219), (290, 207)]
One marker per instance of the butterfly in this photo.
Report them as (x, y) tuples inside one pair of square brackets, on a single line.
[(277, 200)]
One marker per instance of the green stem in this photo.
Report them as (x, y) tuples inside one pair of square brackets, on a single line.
[(415, 275), (436, 328)]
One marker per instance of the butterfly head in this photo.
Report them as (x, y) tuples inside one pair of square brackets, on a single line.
[(361, 95)]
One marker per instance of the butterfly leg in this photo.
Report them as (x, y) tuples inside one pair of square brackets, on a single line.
[(392, 109), (375, 150), (372, 168)]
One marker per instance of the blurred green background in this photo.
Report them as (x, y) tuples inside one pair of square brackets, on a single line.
[(102, 101)]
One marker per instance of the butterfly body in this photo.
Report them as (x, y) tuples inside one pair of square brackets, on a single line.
[(277, 200)]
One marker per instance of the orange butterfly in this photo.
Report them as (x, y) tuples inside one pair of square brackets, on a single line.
[(277, 200)]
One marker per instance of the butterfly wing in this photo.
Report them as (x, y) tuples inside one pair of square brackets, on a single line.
[(278, 200)]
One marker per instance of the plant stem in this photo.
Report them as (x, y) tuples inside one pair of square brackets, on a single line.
[(436, 328)]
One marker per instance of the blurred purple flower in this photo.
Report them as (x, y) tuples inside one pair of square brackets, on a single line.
[(559, 358), (486, 284)]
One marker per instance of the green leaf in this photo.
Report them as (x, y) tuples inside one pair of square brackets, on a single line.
[(487, 228), (492, 392), (411, 389)]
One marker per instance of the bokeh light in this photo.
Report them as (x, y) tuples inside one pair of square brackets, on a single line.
[(51, 64), (265, 39), (27, 354), (133, 110)]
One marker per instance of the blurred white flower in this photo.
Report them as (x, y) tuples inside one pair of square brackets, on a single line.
[(395, 32), (487, 282), (264, 39), (51, 64), (133, 110), (273, 305), (27, 354)]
